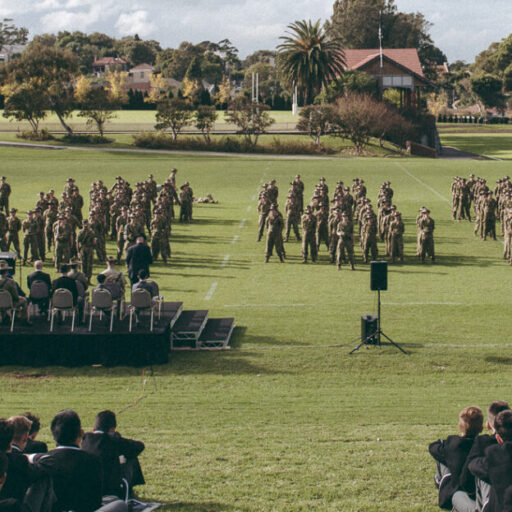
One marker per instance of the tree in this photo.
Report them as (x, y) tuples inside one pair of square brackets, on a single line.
[(354, 118), (137, 51), (349, 81), (251, 118), (174, 113), (24, 102), (225, 92), (265, 56), (50, 70), (11, 34), (206, 116), (488, 89), (356, 24), (309, 58), (316, 120), (97, 104)]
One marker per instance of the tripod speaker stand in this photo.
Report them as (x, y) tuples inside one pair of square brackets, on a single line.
[(378, 282)]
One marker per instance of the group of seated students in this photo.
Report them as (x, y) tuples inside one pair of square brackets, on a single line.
[(474, 470), (75, 281), (88, 472)]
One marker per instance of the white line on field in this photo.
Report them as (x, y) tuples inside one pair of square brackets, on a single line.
[(253, 198), (264, 305), (235, 239), (425, 304), (209, 295), (242, 223), (434, 191), (225, 260), (249, 208)]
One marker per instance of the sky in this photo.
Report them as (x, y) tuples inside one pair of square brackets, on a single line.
[(461, 28)]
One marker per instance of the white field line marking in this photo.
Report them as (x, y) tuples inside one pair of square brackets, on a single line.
[(264, 305), (225, 261), (242, 223), (249, 208), (235, 239), (253, 198), (434, 191), (209, 295), (425, 304)]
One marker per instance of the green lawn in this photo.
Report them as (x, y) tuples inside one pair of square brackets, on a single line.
[(495, 145), (136, 121), (287, 420)]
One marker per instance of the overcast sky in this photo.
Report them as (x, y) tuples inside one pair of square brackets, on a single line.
[(461, 28)]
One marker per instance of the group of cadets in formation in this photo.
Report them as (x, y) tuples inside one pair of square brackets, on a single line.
[(488, 207), (333, 226), (121, 213)]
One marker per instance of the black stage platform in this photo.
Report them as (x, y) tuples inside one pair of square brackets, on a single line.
[(176, 329)]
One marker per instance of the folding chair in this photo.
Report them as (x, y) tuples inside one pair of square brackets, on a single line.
[(62, 300), (6, 306), (83, 298), (141, 301), (39, 294), (115, 291), (101, 301)]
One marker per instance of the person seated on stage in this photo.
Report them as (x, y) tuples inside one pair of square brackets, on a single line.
[(7, 284), (76, 474), (66, 282), (115, 276), (74, 272), (495, 467), (21, 474), (450, 455), (101, 283), (146, 284), (480, 444), (39, 275), (32, 445), (108, 445)]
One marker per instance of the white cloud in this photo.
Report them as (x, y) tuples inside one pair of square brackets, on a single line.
[(135, 22)]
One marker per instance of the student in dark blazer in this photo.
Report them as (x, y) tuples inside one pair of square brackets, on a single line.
[(495, 467), (450, 455), (32, 445), (66, 282), (108, 445), (138, 257)]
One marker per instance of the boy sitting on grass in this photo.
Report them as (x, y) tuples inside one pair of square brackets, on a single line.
[(450, 455)]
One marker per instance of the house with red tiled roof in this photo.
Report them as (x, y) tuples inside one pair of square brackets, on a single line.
[(141, 73), (398, 68), (101, 66)]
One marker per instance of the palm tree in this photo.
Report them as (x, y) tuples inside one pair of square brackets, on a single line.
[(309, 58)]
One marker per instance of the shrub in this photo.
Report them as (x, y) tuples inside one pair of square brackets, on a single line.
[(43, 134), (86, 139)]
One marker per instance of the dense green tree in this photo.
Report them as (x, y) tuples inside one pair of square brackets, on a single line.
[(488, 89), (316, 120), (265, 56), (173, 114), (194, 72), (24, 102), (205, 118), (349, 81), (309, 58), (137, 51), (212, 68)]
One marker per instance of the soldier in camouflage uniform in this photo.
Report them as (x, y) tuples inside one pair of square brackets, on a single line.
[(131, 232), (98, 227), (86, 240), (292, 217), (332, 222), (3, 231), (426, 227), (5, 192), (274, 225), (322, 228), (38, 217), (49, 217), (263, 210), (13, 229), (345, 241), (308, 222), (396, 234), (63, 237), (369, 236), (29, 227), (160, 237), (121, 222)]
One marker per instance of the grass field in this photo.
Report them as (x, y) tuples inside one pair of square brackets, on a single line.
[(287, 420), (495, 145)]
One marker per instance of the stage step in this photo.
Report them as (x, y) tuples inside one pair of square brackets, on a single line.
[(188, 328), (217, 333), (172, 310)]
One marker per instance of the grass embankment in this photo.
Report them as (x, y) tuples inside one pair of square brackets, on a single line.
[(495, 145), (287, 420)]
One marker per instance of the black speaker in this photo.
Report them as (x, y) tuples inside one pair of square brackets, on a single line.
[(378, 275), (10, 258), (369, 328)]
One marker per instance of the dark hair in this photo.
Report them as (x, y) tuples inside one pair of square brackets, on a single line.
[(101, 278), (494, 409), (3, 464), (36, 424), (6, 432), (142, 274), (66, 427), (503, 424), (64, 268), (105, 420)]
